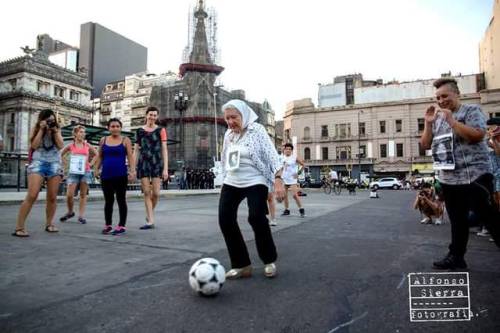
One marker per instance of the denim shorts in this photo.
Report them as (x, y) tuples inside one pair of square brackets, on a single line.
[(76, 179), (45, 169)]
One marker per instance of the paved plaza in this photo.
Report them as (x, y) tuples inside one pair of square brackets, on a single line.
[(343, 268)]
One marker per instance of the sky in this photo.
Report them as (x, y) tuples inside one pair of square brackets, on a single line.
[(277, 50)]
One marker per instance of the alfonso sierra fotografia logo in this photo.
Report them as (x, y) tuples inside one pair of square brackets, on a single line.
[(439, 296)]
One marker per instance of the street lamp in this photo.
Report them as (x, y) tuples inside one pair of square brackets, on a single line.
[(215, 123), (359, 148), (181, 104)]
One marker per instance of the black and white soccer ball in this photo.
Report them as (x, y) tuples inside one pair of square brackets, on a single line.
[(207, 276)]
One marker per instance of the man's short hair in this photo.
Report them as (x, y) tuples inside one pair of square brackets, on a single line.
[(289, 145), (452, 83)]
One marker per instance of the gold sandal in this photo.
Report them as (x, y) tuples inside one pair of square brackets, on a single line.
[(51, 228), (20, 233), (237, 273)]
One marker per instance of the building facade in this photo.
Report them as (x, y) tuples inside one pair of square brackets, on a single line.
[(108, 56), (489, 50), (380, 138), (31, 83), (128, 99)]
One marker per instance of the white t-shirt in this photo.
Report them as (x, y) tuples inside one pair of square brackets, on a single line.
[(334, 175), (290, 170), (246, 174)]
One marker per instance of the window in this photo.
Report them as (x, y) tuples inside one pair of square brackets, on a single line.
[(286, 136), (382, 126), (324, 131), (13, 83), (59, 91), (343, 153), (399, 149), (362, 129), (74, 95), (307, 133), (421, 150), (12, 118), (399, 125), (343, 130), (12, 144), (307, 154), (324, 155), (383, 150), (39, 86), (420, 122), (362, 151)]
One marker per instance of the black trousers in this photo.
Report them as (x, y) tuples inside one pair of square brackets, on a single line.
[(111, 187), (230, 199), (476, 197)]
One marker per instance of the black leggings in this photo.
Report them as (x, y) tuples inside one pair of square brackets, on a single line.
[(476, 197), (230, 199), (110, 187)]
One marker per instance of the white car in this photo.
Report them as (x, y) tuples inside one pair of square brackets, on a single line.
[(388, 182)]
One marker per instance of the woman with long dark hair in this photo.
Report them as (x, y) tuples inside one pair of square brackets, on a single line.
[(114, 151), (152, 162), (44, 165)]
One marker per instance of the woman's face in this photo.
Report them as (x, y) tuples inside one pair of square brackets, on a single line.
[(234, 120), (115, 128), (152, 117), (80, 135)]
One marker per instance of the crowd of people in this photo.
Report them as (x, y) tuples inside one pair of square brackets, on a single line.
[(196, 179), (468, 175)]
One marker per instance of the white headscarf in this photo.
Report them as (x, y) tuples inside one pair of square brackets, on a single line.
[(248, 116)]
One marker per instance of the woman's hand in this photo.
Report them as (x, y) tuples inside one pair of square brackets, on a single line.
[(279, 189), (165, 175), (132, 176)]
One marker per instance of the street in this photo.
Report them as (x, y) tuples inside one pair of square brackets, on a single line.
[(342, 268)]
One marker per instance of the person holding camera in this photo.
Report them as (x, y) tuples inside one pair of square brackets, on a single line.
[(456, 132), (427, 203), (255, 168), (44, 165)]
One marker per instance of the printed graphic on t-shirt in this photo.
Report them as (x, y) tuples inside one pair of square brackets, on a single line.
[(442, 152)]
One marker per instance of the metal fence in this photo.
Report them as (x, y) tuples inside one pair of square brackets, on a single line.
[(13, 170)]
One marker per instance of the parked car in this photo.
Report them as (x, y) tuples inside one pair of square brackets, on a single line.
[(388, 182)]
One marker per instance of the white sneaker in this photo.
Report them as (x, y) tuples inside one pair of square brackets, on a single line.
[(438, 222), (270, 270), (483, 233), (273, 223), (425, 220)]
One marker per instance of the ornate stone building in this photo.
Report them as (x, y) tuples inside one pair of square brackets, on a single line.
[(378, 138), (31, 83)]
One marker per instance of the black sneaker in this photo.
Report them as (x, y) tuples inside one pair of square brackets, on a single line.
[(450, 262), (285, 212), (302, 212), (107, 229)]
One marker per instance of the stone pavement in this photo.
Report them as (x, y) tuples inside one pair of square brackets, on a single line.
[(342, 268), (7, 197)]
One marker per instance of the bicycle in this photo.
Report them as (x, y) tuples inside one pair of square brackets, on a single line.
[(327, 188)]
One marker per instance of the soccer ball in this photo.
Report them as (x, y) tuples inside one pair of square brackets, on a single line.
[(207, 276)]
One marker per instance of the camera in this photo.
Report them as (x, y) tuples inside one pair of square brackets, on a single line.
[(51, 124)]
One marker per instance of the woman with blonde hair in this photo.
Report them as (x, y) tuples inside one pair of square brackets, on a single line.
[(78, 172), (44, 165)]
